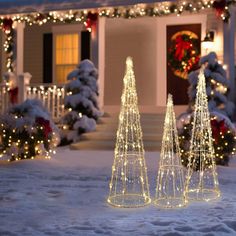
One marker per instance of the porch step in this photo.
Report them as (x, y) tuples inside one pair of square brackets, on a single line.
[(112, 136), (110, 145), (104, 137)]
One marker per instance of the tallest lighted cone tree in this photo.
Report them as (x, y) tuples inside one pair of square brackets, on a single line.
[(129, 183), (202, 181)]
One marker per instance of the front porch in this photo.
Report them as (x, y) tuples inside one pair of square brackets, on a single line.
[(113, 39)]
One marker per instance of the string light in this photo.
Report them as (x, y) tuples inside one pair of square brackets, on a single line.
[(26, 141), (129, 183), (170, 179), (202, 180), (137, 10), (8, 49)]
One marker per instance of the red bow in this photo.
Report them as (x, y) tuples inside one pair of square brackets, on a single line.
[(13, 95), (91, 20), (180, 47), (219, 6), (40, 17), (7, 24), (45, 124), (217, 128)]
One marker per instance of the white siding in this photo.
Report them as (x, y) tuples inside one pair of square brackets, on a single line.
[(216, 24), (33, 51), (136, 38)]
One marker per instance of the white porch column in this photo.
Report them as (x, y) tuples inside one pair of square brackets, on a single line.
[(23, 82), (98, 55), (229, 50), (20, 48)]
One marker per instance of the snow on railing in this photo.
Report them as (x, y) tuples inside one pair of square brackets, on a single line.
[(52, 97), (4, 98)]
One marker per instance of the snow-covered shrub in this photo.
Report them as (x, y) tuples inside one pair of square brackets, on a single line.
[(217, 86), (81, 101), (27, 131), (223, 133)]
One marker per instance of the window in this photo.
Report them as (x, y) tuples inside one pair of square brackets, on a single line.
[(67, 55)]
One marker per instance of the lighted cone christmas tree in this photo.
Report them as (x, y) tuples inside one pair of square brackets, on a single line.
[(170, 178), (202, 180), (129, 183)]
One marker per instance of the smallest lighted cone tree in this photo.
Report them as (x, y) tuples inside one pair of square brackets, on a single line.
[(202, 179), (129, 183), (170, 178)]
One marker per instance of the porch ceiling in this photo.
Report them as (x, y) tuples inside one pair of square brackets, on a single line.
[(26, 6)]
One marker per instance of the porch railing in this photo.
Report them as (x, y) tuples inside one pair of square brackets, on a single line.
[(4, 98), (51, 95)]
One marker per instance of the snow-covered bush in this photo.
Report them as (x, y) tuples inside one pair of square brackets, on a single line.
[(81, 101), (217, 86), (27, 131), (223, 133)]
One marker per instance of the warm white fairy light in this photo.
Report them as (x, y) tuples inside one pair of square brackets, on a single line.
[(170, 178), (129, 184), (202, 180), (19, 148), (137, 10)]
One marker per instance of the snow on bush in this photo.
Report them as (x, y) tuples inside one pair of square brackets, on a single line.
[(27, 131), (217, 86), (81, 102)]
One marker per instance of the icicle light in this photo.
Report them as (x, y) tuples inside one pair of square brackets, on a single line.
[(129, 183), (202, 180), (170, 178)]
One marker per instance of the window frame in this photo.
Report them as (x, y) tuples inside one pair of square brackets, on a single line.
[(64, 29)]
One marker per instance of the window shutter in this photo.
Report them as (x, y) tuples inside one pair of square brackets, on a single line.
[(85, 45), (47, 57)]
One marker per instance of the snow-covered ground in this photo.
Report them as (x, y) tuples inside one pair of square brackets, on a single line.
[(67, 196)]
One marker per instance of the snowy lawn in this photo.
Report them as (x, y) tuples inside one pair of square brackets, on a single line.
[(67, 196)]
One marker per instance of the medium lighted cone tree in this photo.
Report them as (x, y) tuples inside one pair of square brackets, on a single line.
[(202, 179), (170, 179), (129, 183)]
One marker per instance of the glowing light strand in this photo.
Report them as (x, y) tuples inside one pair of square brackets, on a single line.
[(137, 10)]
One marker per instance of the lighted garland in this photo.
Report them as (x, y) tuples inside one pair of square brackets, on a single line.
[(224, 139), (9, 44), (183, 54), (138, 10)]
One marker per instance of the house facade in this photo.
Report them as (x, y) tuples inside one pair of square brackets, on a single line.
[(49, 51)]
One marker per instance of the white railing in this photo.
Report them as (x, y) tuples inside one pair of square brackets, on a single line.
[(4, 98), (52, 97)]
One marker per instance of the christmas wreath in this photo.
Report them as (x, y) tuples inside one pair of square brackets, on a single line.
[(183, 54)]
